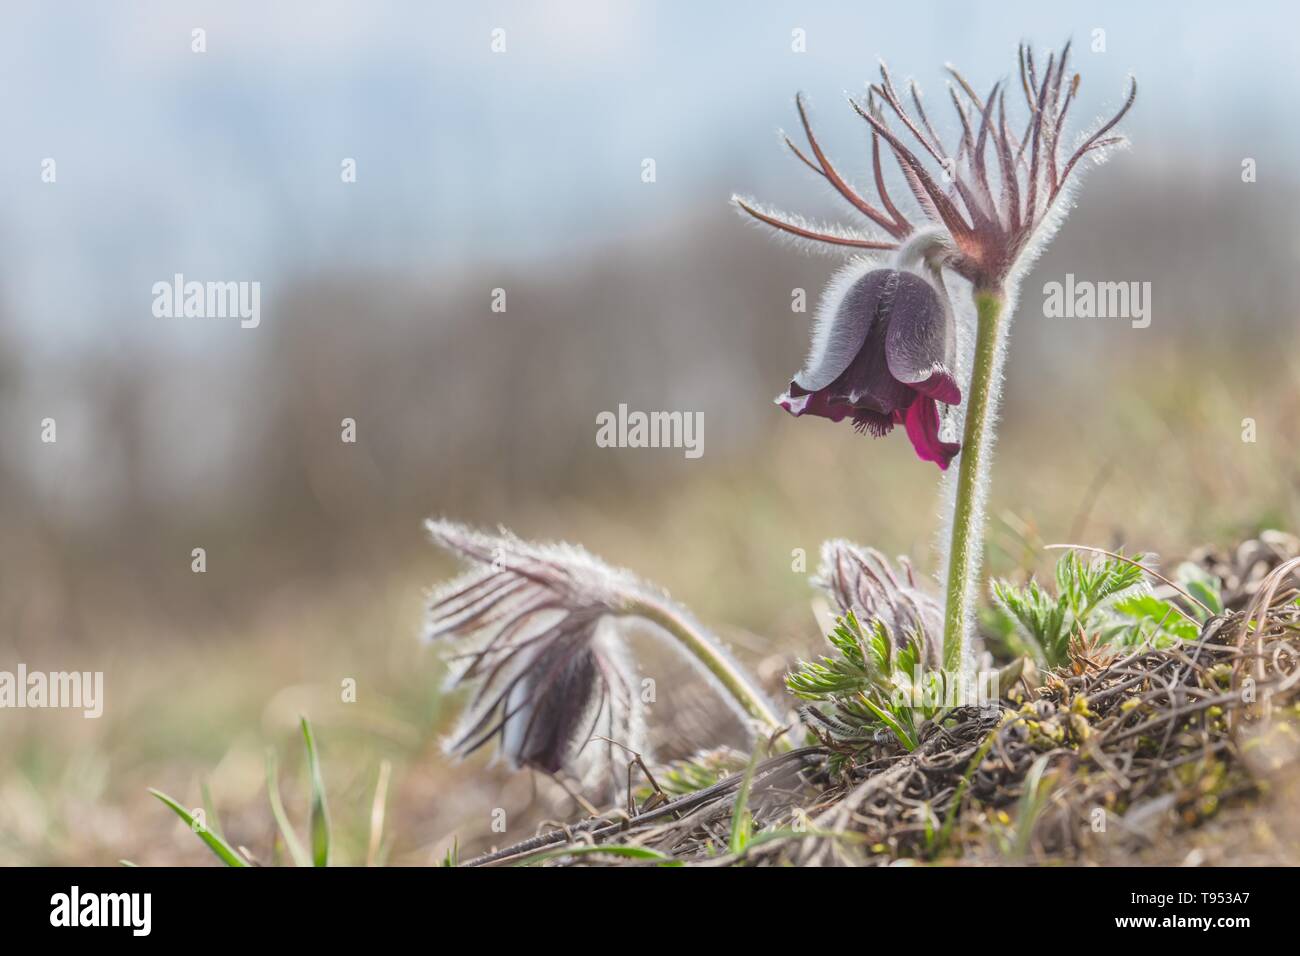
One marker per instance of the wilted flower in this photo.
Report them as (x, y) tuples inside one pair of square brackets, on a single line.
[(883, 354), (544, 627), (862, 581)]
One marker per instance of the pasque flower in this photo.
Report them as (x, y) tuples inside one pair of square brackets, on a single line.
[(883, 355), (540, 634), (881, 352)]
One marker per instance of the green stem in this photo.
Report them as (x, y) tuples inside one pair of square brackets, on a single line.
[(700, 646), (967, 546)]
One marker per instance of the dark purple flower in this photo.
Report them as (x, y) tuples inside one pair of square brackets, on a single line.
[(883, 355)]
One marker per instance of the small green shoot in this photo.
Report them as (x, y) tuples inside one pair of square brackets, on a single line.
[(216, 844), (610, 849), (1104, 599), (319, 825), (320, 821), (872, 684), (291, 841)]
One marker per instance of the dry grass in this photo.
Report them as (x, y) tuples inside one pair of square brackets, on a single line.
[(1179, 755)]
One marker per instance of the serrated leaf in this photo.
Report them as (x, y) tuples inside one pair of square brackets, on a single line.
[(1202, 585), (1162, 615)]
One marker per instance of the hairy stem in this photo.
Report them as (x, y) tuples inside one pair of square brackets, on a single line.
[(967, 545), (704, 649)]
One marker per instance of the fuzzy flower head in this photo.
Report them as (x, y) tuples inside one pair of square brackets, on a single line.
[(994, 195), (883, 354), (540, 632), (862, 581), (537, 640)]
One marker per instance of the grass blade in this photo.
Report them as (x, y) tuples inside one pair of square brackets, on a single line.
[(377, 813), (1033, 801), (296, 849), (742, 821), (612, 849), (210, 809), (217, 845), (320, 820)]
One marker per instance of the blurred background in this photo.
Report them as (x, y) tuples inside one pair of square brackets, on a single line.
[(522, 170)]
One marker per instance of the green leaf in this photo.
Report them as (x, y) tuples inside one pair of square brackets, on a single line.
[(1162, 616), (1033, 801), (223, 850), (1086, 585), (296, 849), (210, 809), (320, 822), (1041, 617), (892, 722), (950, 819), (1202, 585)]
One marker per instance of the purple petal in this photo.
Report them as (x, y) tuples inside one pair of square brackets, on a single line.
[(550, 708), (941, 386), (798, 401), (867, 382), (923, 429), (843, 328), (921, 342)]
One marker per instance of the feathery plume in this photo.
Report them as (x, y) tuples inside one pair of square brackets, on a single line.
[(542, 631)]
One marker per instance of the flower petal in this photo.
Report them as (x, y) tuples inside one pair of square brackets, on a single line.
[(921, 341), (941, 386), (923, 429), (849, 309), (867, 382), (798, 401)]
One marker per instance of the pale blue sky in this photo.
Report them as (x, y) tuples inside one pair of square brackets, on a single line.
[(226, 165)]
